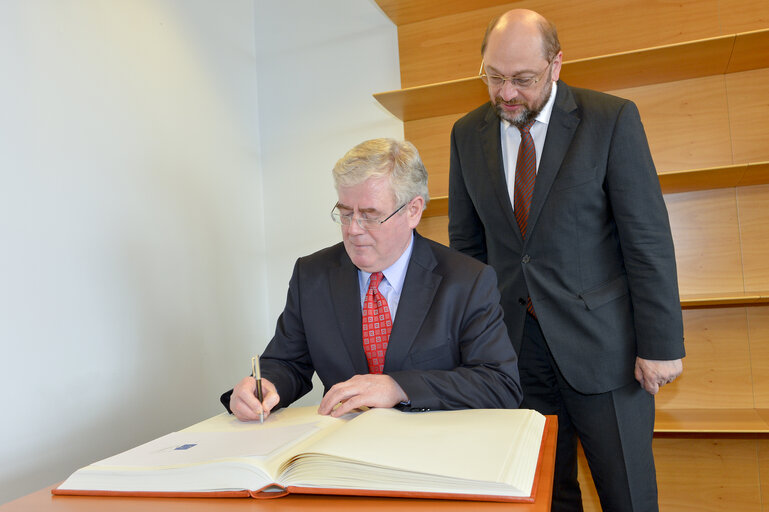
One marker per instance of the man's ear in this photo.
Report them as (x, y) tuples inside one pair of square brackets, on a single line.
[(556, 71), (414, 211)]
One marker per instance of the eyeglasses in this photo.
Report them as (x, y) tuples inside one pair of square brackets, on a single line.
[(497, 81), (363, 222)]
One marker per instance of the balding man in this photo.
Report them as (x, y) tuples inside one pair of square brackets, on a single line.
[(555, 188)]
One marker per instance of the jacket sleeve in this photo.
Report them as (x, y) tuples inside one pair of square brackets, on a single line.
[(466, 233), (645, 239)]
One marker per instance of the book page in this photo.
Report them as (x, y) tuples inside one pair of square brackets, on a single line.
[(440, 451), (191, 447), (220, 453)]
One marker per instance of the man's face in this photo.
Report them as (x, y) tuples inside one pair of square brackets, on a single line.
[(376, 248), (519, 55)]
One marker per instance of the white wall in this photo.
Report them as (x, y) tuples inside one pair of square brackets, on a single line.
[(153, 197)]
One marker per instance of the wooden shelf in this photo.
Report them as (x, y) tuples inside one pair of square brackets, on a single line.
[(725, 300), (740, 175), (672, 182), (705, 57), (711, 421), (402, 12)]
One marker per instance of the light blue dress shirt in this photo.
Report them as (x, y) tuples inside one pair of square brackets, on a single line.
[(392, 284)]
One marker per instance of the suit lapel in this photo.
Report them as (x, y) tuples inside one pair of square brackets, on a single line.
[(563, 123), (345, 296), (419, 288), (492, 150)]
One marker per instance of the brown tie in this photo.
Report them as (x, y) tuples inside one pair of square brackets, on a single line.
[(525, 174), (377, 325)]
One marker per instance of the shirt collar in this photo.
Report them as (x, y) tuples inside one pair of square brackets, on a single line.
[(395, 273), (544, 114)]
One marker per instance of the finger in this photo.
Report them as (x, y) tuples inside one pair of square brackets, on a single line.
[(328, 404), (244, 404), (250, 403), (347, 406), (338, 393), (242, 411), (271, 399)]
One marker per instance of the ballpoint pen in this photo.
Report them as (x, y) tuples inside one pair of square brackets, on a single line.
[(258, 377)]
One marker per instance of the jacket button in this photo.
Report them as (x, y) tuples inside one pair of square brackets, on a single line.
[(521, 301), (526, 259)]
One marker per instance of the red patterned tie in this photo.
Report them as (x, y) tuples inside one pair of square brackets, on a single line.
[(377, 325), (525, 174)]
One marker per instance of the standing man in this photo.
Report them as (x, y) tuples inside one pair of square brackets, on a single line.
[(555, 188), (386, 318)]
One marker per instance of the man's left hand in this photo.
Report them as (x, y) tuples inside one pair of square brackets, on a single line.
[(362, 390), (654, 374)]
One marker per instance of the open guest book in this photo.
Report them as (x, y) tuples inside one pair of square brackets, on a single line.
[(475, 454)]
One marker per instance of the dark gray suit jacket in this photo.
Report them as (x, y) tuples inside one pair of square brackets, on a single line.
[(598, 262), (448, 349)]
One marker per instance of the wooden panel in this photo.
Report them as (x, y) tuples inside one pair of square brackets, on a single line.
[(758, 174), (724, 300), (438, 206), (753, 205), (718, 421), (685, 122), (707, 475), (443, 49), (743, 15), (736, 175), (402, 12), (758, 334), (712, 335), (749, 115), (751, 51), (673, 182), (440, 99), (763, 467), (448, 48), (706, 235), (653, 65), (698, 475), (435, 228), (432, 136)]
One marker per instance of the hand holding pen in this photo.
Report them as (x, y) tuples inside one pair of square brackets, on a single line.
[(245, 402)]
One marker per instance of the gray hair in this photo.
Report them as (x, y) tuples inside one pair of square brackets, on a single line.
[(376, 158), (550, 43)]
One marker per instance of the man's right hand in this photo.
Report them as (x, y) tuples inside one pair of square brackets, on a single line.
[(244, 404)]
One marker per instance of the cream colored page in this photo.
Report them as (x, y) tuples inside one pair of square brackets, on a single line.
[(207, 455), (283, 423), (476, 444)]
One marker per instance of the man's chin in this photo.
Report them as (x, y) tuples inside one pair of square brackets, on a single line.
[(518, 119)]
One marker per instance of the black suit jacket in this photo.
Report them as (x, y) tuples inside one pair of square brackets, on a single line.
[(448, 349), (598, 261)]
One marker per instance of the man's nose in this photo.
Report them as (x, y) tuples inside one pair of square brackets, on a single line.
[(354, 228), (507, 92)]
